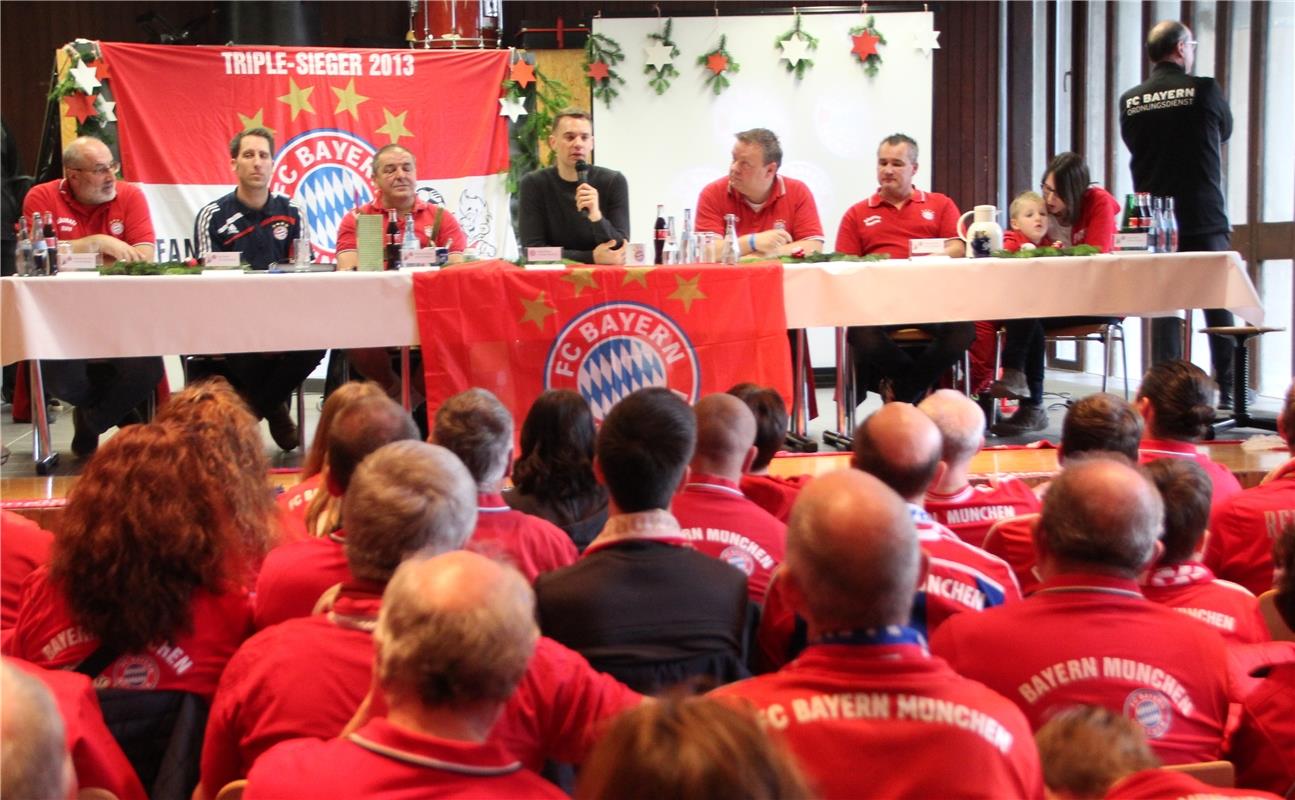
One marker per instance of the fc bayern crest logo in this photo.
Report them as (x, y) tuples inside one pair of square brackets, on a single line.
[(1150, 709), (329, 172), (616, 348), (135, 672), (739, 558)]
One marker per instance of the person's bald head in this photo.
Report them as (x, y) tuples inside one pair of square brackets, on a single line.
[(33, 751), (961, 424), (1100, 514), (725, 436), (852, 552), (454, 631), (1170, 40), (406, 498), (901, 446)]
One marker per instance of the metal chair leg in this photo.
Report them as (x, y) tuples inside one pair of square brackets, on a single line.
[(842, 438)]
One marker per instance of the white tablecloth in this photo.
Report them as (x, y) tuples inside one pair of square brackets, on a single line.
[(81, 315)]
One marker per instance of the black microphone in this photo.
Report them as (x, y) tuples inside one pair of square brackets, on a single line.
[(582, 176)]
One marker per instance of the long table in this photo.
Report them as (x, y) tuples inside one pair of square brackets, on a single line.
[(84, 315)]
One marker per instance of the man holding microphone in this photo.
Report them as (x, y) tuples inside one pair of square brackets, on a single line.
[(581, 208)]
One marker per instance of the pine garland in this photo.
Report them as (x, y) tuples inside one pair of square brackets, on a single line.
[(660, 80), (803, 65), (871, 64), (82, 52), (600, 48), (544, 100), (718, 81)]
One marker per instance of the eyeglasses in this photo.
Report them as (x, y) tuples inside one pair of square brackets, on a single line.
[(99, 170), (1047, 190)]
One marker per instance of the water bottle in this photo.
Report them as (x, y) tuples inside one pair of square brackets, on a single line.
[(1153, 230), (22, 251), (731, 252), (671, 244), (1170, 230), (302, 257), (687, 249), (40, 254), (409, 243)]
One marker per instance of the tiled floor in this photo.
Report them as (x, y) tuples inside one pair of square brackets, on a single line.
[(1060, 386)]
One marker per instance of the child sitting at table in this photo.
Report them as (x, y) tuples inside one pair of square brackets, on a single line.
[(1029, 220)]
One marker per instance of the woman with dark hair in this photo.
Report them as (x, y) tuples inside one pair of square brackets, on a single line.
[(554, 477), (1079, 212), (1174, 400), (146, 581)]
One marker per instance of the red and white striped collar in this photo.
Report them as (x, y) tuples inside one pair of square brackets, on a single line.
[(917, 196), (957, 496), (1188, 574), (482, 759), (655, 525), (706, 481), (1168, 447), (1089, 582), (491, 502)]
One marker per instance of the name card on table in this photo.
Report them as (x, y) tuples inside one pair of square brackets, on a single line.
[(926, 247), (1131, 242), (636, 255), (540, 255), (422, 257), (80, 261), (223, 259)]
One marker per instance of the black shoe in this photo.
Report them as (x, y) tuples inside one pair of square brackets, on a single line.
[(1027, 419), (85, 439), (282, 429), (1012, 385)]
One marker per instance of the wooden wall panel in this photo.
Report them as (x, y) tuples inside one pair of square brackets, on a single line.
[(965, 147)]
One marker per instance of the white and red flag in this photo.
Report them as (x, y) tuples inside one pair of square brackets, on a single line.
[(329, 110)]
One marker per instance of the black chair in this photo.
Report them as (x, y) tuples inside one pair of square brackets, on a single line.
[(161, 735)]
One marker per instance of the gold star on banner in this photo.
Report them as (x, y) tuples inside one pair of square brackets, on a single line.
[(348, 99), (395, 126), (254, 121), (298, 98), (581, 278), (636, 275), (537, 311), (686, 291)]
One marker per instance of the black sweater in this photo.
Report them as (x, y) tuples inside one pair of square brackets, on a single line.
[(548, 216)]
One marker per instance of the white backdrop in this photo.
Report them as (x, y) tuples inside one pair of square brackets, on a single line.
[(672, 145)]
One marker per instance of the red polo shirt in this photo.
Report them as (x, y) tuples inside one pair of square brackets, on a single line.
[(46, 635), (970, 511), (1242, 530), (24, 546), (1193, 590), (790, 203), (875, 226), (96, 756), (889, 720), (1263, 747), (1225, 483), (295, 575), (959, 577), (1093, 639), (451, 234), (1013, 541), (531, 544), (1163, 784), (773, 493), (125, 217), (720, 522), (387, 762), (294, 502)]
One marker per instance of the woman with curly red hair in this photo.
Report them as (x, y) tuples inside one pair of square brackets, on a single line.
[(148, 572)]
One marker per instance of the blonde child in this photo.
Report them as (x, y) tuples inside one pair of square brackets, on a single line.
[(1029, 221)]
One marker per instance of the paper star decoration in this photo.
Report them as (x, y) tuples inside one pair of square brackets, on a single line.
[(107, 108), (348, 100), (523, 73), (599, 71), (794, 50), (101, 70), (658, 55), (717, 63), (926, 41), (80, 106), (254, 121), (297, 98), (83, 74), (636, 275), (686, 291), (537, 311), (394, 127), (580, 278), (865, 44), (512, 108)]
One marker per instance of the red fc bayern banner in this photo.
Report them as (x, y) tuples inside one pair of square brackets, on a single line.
[(329, 110), (601, 331)]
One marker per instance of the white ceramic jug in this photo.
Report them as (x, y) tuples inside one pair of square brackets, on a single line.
[(985, 234)]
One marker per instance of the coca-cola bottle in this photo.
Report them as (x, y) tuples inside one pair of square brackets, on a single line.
[(51, 242), (391, 242), (1144, 210), (1170, 230), (660, 232)]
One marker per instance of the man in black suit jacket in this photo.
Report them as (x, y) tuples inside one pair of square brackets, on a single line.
[(641, 604)]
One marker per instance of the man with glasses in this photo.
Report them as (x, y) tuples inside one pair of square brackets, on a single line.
[(1174, 124), (93, 211)]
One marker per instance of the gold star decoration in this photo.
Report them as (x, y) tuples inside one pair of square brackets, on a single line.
[(537, 310), (636, 275), (394, 127), (580, 278), (348, 99), (298, 98), (254, 121), (686, 291)]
